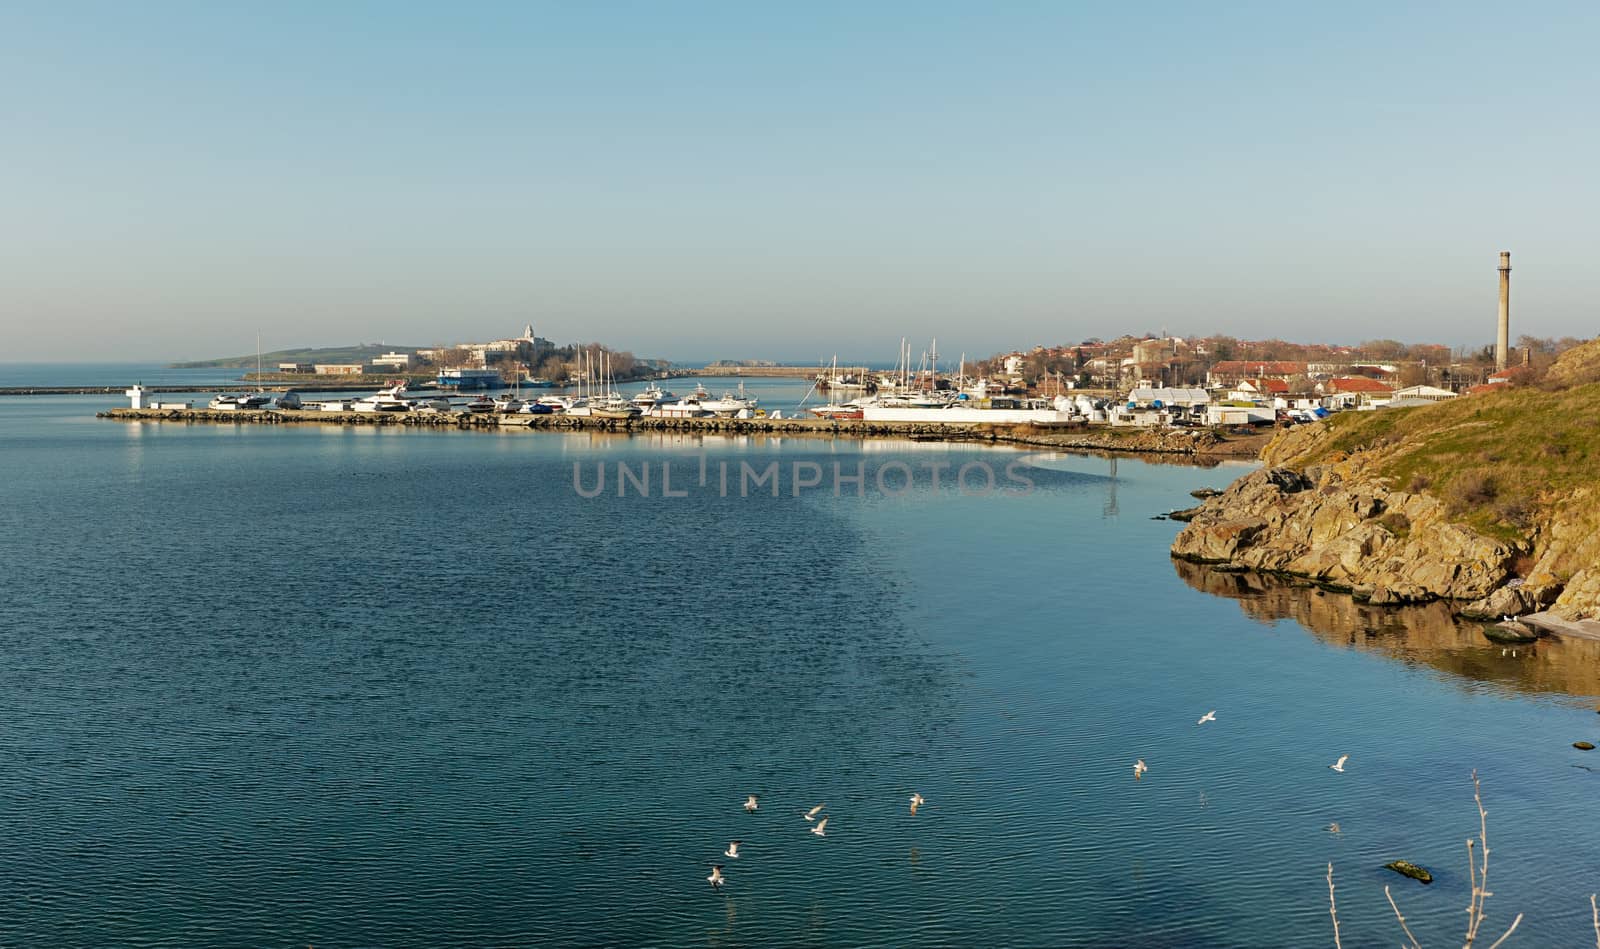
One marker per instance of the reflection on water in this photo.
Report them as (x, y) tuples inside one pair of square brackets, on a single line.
[(1427, 634)]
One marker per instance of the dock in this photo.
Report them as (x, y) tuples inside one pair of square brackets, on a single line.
[(1189, 442)]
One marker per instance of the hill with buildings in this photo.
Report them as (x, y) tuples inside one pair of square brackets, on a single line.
[(1492, 499), (360, 353), (512, 358)]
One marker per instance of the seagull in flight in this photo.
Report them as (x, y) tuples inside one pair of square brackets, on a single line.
[(715, 878), (916, 802), (1139, 768), (1210, 716), (812, 814), (1339, 765), (733, 850), (750, 804), (821, 830)]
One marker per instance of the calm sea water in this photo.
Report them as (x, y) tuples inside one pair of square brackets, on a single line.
[(290, 685), (65, 374)]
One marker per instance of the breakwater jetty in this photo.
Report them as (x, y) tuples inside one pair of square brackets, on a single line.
[(1196, 443), (320, 386)]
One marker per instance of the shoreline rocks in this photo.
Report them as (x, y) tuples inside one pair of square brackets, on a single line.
[(1339, 526), (1382, 546)]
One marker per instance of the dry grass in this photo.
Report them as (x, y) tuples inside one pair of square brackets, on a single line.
[(1499, 460)]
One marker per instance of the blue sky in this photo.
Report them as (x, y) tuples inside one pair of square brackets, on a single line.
[(789, 180)]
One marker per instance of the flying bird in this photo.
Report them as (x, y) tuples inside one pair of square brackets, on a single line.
[(733, 850), (916, 802), (1139, 768), (821, 830), (1339, 765), (1210, 716), (750, 804), (716, 876), (812, 814)]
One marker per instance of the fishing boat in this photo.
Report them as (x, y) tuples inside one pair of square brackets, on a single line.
[(614, 406)]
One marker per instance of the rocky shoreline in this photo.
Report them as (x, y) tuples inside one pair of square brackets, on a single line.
[(1199, 445), (1340, 526)]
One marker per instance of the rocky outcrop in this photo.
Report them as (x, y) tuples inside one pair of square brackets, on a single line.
[(1409, 869), (1332, 525)]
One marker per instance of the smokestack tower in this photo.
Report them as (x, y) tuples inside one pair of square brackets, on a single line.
[(1502, 339)]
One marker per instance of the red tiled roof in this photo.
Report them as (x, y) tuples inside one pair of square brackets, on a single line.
[(1357, 384)]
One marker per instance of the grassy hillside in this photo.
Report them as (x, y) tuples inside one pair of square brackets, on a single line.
[(331, 354), (1503, 461)]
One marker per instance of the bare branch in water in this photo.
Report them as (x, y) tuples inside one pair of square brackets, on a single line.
[(1333, 910), (1403, 927)]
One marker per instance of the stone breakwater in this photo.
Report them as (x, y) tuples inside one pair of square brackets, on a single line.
[(1196, 443)]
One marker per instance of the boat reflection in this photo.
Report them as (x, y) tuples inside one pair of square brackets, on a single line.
[(1427, 634)]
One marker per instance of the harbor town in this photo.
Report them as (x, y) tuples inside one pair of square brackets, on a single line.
[(1218, 385)]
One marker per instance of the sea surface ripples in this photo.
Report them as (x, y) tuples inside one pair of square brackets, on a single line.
[(267, 687)]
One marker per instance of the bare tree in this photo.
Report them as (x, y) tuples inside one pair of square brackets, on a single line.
[(1478, 873)]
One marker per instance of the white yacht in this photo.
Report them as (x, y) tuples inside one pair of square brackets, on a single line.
[(731, 405), (652, 395), (391, 399), (233, 403)]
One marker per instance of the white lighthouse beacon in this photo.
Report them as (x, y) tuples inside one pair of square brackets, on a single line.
[(136, 395)]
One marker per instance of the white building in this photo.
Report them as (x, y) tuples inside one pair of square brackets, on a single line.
[(1425, 393), (1168, 395)]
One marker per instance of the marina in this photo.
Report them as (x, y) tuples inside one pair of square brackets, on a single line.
[(1141, 441)]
